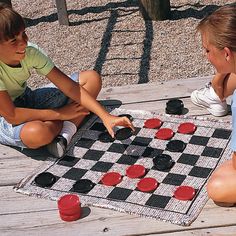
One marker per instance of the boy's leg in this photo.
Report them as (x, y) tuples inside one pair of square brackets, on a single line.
[(91, 81), (221, 186)]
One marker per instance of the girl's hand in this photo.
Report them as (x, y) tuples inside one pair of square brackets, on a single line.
[(111, 121)]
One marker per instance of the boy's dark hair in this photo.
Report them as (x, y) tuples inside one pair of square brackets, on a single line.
[(11, 23)]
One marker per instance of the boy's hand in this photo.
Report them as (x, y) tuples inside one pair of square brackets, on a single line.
[(111, 121)]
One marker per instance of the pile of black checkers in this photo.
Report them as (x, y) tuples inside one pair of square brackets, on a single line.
[(160, 170)]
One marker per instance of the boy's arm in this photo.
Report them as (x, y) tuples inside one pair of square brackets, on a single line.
[(218, 84), (78, 94), (15, 115)]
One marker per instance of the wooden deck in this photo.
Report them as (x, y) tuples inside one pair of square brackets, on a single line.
[(24, 215)]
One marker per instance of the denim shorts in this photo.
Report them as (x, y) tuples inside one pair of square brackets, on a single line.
[(47, 97)]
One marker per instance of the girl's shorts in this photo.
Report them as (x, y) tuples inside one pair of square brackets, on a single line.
[(47, 97)]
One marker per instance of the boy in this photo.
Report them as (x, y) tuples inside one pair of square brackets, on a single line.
[(45, 116)]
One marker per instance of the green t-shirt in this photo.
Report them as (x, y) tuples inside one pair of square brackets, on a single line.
[(13, 79)]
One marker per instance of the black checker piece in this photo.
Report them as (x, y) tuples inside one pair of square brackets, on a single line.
[(83, 186), (45, 179), (123, 133), (175, 146), (163, 162)]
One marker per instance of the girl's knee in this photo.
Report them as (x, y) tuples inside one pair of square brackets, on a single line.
[(216, 189)]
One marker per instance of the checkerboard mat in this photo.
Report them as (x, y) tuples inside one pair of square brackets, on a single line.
[(89, 158)]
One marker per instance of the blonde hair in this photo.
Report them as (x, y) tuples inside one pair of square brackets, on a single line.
[(11, 23), (221, 27)]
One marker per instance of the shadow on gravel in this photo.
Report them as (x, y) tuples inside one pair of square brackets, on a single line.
[(197, 11)]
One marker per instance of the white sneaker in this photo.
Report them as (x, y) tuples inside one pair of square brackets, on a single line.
[(207, 98), (57, 147)]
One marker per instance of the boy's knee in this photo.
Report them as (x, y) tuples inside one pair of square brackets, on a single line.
[(90, 76), (36, 134)]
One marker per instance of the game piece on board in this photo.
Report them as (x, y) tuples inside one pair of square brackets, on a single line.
[(111, 178), (147, 184), (175, 146), (153, 123), (135, 171), (128, 116), (184, 193), (164, 133), (174, 106), (105, 137), (163, 162), (45, 179), (83, 186), (69, 204), (187, 128), (123, 133)]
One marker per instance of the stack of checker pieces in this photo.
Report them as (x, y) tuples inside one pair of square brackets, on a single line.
[(90, 159)]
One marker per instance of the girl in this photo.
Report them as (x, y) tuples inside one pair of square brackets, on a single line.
[(218, 33)]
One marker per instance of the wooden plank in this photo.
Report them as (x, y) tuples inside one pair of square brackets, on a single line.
[(62, 12), (20, 213), (154, 91)]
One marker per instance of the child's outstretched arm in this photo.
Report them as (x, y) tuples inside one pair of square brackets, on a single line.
[(78, 94)]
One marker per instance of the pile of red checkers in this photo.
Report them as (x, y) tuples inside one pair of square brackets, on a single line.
[(69, 207)]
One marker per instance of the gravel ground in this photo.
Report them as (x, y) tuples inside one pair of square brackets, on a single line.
[(112, 37)]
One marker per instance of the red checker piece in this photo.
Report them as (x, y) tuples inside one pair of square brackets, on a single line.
[(187, 128), (69, 204), (147, 184), (153, 123), (164, 133), (135, 171), (70, 217), (184, 193), (111, 178)]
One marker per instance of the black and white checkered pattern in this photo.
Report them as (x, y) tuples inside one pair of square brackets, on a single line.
[(89, 158)]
